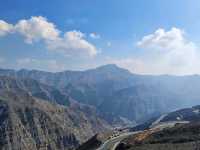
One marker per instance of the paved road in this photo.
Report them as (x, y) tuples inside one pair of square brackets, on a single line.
[(111, 144)]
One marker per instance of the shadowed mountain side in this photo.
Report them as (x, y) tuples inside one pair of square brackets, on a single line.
[(27, 122), (120, 97)]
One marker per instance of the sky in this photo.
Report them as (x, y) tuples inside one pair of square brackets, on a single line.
[(145, 37)]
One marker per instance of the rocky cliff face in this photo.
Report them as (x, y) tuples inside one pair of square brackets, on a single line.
[(120, 97), (28, 122), (34, 88)]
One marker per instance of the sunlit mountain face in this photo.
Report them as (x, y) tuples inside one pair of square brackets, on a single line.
[(99, 75)]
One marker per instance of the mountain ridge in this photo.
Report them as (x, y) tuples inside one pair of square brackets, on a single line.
[(106, 86)]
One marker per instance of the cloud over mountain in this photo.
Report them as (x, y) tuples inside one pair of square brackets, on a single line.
[(164, 52), (38, 28)]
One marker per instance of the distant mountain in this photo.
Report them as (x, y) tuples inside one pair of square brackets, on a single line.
[(27, 121), (120, 97), (62, 79)]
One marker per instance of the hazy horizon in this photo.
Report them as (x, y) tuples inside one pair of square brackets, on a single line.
[(99, 74), (143, 37), (92, 68)]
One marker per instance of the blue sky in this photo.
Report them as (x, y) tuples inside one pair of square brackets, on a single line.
[(129, 33)]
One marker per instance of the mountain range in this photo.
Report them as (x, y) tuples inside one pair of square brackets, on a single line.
[(119, 96), (177, 130), (64, 109), (31, 117)]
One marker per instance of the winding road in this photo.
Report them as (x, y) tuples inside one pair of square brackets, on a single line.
[(111, 144)]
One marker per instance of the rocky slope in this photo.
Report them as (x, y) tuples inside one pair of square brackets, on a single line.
[(110, 88), (189, 115), (34, 88), (176, 130), (180, 137), (29, 122)]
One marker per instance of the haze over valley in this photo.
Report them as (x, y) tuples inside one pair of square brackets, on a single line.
[(99, 75)]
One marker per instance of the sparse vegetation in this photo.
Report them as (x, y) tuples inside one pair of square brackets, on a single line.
[(180, 137)]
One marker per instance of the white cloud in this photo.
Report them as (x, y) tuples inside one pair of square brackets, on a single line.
[(95, 36), (5, 28), (163, 52), (165, 40), (169, 52), (36, 29), (73, 42)]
